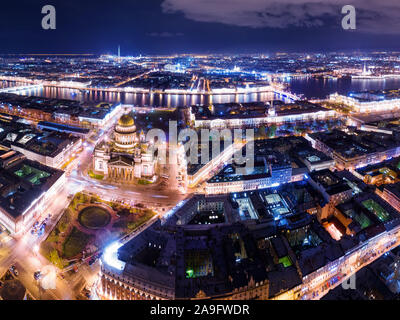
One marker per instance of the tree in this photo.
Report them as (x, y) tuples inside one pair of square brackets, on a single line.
[(272, 131), (56, 260), (262, 132)]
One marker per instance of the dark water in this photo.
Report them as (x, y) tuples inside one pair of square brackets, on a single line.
[(310, 87), (139, 99), (154, 99), (320, 88)]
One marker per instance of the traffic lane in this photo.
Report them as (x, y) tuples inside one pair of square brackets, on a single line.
[(27, 266), (25, 276)]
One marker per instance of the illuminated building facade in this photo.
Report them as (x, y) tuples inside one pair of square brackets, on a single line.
[(276, 162), (126, 156), (26, 188), (391, 194), (199, 172), (54, 157), (62, 111), (257, 114), (50, 148), (370, 101)]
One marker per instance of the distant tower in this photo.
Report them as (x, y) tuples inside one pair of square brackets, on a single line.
[(366, 71), (119, 53)]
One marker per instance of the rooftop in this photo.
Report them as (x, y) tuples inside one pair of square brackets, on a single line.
[(47, 143), (22, 181), (53, 107), (377, 95), (177, 259), (356, 143), (253, 110)]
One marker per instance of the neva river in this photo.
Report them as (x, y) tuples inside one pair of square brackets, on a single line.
[(320, 88), (310, 87), (141, 99)]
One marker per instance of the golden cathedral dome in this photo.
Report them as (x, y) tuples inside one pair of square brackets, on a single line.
[(126, 121), (125, 132)]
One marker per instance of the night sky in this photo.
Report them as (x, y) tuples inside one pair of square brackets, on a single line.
[(197, 26)]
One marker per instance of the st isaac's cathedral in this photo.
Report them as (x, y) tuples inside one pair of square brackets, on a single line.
[(126, 156)]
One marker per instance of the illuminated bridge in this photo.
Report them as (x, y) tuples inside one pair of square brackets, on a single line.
[(20, 89)]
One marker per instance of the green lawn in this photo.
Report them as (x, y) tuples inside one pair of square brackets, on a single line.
[(141, 220), (131, 224), (144, 182), (75, 243), (94, 217), (95, 176)]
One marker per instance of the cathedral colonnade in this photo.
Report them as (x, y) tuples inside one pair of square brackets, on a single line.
[(120, 173)]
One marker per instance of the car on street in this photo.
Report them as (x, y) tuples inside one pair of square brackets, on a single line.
[(37, 275), (41, 230), (14, 270)]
